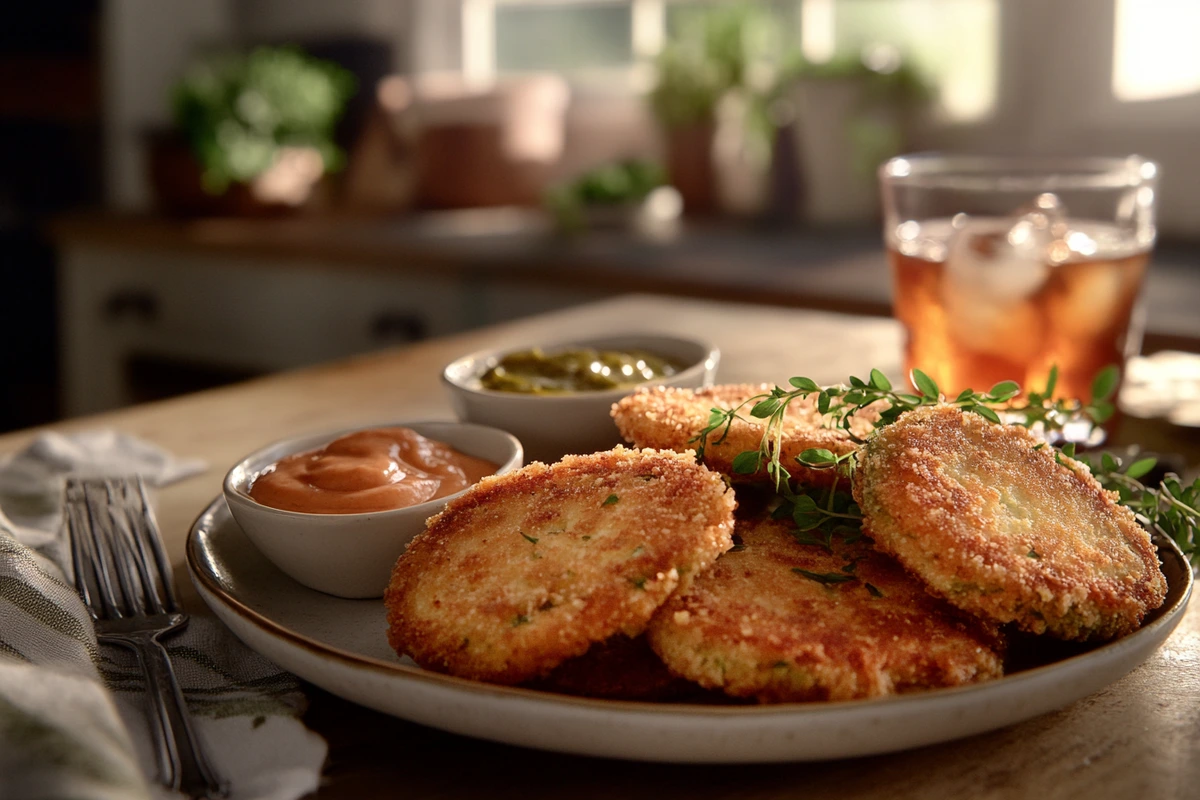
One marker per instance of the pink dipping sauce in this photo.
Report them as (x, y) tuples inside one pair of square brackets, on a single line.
[(372, 470)]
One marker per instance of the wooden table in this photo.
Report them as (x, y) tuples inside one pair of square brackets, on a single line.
[(1138, 738)]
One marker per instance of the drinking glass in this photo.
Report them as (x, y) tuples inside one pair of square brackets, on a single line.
[(1005, 267)]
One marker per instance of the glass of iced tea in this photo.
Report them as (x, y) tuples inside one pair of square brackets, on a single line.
[(1005, 267)]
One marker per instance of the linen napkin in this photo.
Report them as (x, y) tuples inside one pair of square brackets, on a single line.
[(72, 713)]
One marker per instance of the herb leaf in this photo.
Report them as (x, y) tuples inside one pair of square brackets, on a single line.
[(827, 578), (925, 384), (1105, 383), (747, 463), (1004, 390), (1139, 468)]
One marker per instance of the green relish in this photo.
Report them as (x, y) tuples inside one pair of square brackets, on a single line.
[(578, 370)]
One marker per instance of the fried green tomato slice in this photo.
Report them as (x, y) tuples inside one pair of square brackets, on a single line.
[(670, 418), (993, 522), (781, 621), (528, 569)]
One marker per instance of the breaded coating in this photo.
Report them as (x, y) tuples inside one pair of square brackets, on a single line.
[(528, 569), (669, 418), (855, 626), (619, 668), (991, 521)]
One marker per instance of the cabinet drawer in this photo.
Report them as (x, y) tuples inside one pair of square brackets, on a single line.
[(259, 315)]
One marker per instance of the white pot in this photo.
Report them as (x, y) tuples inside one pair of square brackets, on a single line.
[(837, 190)]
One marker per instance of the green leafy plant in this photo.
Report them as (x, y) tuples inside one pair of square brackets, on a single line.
[(238, 110), (714, 52), (612, 185)]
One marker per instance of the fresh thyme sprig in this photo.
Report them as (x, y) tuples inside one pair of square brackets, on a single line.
[(1172, 508), (842, 404)]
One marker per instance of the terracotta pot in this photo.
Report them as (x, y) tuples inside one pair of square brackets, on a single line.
[(690, 168), (175, 180), (478, 146), (467, 166)]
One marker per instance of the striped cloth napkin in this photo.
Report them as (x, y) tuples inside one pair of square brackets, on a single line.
[(72, 714)]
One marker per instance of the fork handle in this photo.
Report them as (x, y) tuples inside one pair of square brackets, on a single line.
[(183, 764)]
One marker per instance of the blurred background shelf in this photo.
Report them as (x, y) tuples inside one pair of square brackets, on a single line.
[(221, 299), (110, 295)]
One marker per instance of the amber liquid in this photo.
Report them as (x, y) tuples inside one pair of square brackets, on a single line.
[(967, 327)]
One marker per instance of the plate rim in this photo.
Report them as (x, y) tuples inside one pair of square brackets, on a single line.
[(209, 517)]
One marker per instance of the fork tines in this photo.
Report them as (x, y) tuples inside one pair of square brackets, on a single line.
[(116, 551)]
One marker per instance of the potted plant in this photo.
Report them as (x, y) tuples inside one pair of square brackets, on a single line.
[(611, 195), (254, 131), (713, 78)]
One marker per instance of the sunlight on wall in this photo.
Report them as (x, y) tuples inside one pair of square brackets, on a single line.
[(1155, 54), (817, 41)]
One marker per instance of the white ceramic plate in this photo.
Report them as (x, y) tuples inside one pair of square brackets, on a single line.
[(340, 646)]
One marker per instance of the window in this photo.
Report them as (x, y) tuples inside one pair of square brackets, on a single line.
[(613, 42), (954, 44), (589, 41), (565, 37)]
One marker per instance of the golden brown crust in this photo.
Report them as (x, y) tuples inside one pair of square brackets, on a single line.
[(993, 523), (528, 569), (755, 627), (669, 418)]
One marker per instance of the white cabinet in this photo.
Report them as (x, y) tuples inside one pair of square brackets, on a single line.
[(254, 315)]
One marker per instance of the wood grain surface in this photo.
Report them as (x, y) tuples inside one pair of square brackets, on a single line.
[(1139, 738)]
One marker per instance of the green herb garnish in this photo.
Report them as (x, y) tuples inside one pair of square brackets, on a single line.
[(826, 578), (841, 404), (1172, 508), (610, 500)]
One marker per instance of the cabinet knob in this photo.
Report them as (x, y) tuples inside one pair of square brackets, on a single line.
[(397, 326)]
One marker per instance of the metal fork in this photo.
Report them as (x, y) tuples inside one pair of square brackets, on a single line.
[(124, 578)]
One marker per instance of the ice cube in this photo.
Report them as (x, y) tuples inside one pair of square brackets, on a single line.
[(1010, 328), (1093, 298), (1004, 258), (994, 270)]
